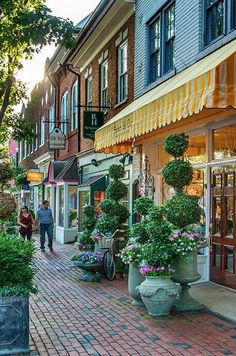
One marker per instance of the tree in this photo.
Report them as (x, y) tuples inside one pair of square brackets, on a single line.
[(25, 27)]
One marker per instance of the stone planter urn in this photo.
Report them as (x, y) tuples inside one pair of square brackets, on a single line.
[(90, 272), (14, 326), (134, 280), (185, 273), (158, 294)]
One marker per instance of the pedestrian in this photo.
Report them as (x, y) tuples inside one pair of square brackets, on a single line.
[(45, 219), (25, 221)]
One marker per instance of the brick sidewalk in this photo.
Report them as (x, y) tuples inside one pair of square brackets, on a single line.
[(69, 317)]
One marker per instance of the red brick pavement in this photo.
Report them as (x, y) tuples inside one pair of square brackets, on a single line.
[(69, 317)]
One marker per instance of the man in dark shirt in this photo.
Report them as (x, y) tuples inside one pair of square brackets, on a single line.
[(45, 219)]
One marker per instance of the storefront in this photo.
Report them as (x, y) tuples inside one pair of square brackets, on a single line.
[(61, 190), (94, 180), (199, 101)]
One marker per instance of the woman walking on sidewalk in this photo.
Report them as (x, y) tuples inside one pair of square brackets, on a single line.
[(25, 221), (45, 219)]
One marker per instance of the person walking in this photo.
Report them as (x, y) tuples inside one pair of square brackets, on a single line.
[(45, 219), (25, 221)]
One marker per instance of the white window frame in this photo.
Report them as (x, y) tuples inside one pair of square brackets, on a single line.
[(36, 138), (89, 92), (25, 150), (42, 131), (123, 72), (20, 151), (51, 118), (64, 113), (104, 85), (74, 106)]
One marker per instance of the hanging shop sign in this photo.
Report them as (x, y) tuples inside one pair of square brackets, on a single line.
[(56, 140), (92, 121), (33, 176)]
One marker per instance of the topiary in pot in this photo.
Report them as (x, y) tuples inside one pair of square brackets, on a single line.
[(88, 223), (182, 210), (114, 214), (142, 206)]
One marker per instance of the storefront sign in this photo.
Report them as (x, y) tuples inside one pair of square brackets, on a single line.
[(56, 140), (33, 176), (92, 121)]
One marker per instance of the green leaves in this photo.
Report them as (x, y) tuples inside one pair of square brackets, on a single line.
[(177, 173), (176, 144), (17, 272)]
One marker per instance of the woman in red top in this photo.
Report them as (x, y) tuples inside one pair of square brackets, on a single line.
[(25, 221)]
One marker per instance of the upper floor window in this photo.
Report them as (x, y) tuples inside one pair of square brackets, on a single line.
[(104, 85), (89, 92), (42, 131), (123, 72), (220, 18), (74, 106), (214, 19), (64, 113), (20, 151), (162, 43), (51, 118), (36, 136)]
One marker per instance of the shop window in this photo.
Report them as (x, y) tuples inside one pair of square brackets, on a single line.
[(48, 194), (99, 196), (196, 152), (224, 142), (61, 206), (72, 205), (83, 201)]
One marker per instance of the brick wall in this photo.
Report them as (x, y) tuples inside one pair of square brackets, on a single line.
[(112, 77)]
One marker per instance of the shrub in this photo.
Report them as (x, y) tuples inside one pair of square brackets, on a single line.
[(17, 272), (117, 190), (178, 173), (116, 171), (142, 205), (138, 233), (176, 144), (159, 231), (183, 210), (121, 212), (107, 224)]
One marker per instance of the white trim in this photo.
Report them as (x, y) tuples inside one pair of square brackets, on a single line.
[(48, 156)]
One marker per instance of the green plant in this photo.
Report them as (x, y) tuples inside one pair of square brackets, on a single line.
[(176, 144), (178, 173), (88, 223), (88, 257), (142, 205), (17, 272), (132, 253), (7, 205), (114, 214), (138, 233), (182, 209), (21, 179), (185, 242)]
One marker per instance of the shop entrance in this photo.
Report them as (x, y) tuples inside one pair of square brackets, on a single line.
[(223, 234)]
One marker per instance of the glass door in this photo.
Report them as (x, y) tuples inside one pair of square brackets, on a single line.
[(223, 236)]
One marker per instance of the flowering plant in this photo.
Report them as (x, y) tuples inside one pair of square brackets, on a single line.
[(131, 254), (185, 242), (161, 271), (88, 257)]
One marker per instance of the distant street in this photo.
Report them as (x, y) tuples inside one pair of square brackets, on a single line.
[(69, 317)]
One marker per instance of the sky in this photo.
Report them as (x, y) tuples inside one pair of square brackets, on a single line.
[(75, 10)]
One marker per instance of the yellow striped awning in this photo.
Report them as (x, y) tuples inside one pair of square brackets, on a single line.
[(209, 83)]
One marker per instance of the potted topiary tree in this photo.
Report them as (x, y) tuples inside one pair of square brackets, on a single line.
[(16, 283), (182, 210), (114, 213), (158, 292)]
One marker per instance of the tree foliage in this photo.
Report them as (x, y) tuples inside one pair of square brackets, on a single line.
[(25, 27)]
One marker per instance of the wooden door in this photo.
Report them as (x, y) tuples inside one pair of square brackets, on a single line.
[(223, 239)]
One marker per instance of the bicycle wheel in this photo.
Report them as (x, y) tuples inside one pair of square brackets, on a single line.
[(109, 265)]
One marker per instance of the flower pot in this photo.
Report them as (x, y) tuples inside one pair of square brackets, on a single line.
[(134, 280), (14, 326), (90, 273), (119, 276), (158, 294), (186, 272)]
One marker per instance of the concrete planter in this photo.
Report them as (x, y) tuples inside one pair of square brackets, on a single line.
[(14, 326), (158, 294), (134, 280)]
